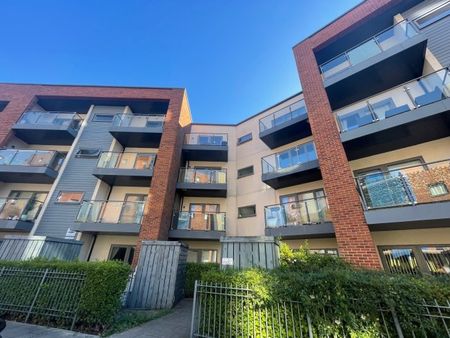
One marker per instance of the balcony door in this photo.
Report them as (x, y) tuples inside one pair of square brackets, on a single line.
[(304, 208), (203, 216), (133, 208)]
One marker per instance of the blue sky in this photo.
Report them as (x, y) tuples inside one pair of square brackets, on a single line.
[(234, 57)]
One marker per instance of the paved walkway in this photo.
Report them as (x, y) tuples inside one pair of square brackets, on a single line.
[(22, 330), (176, 324)]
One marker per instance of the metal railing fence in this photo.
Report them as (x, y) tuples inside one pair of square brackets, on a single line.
[(40, 293), (233, 311)]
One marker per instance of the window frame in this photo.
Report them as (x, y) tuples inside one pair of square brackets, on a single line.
[(247, 206), (69, 192), (442, 183), (248, 174), (241, 139), (96, 115), (432, 19), (96, 153), (198, 252), (127, 251)]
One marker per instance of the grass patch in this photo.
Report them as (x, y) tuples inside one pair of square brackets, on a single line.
[(127, 319)]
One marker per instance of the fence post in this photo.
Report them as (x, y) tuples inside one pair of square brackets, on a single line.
[(194, 303), (36, 295), (308, 319), (398, 328)]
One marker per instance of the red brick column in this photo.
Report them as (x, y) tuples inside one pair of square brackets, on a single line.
[(352, 232)]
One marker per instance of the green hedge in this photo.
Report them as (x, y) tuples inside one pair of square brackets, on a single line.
[(194, 272), (101, 293), (333, 292)]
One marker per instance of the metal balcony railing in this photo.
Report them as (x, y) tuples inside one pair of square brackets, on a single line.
[(290, 159), (138, 121), (206, 139), (126, 160), (51, 119), (425, 183), (402, 99), (286, 114), (113, 212), (377, 44), (186, 220), (203, 176), (31, 158), (19, 209), (308, 211)]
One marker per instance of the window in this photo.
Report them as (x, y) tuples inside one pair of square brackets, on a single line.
[(433, 15), (438, 189), (247, 211), (325, 252), (124, 253), (3, 105), (245, 138), (247, 171), (87, 153), (102, 118), (417, 259), (202, 256), (69, 197)]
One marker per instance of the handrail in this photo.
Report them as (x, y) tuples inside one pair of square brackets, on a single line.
[(120, 156), (220, 217), (214, 175), (264, 160), (364, 41), (271, 117), (55, 112), (193, 139), (101, 214), (299, 201)]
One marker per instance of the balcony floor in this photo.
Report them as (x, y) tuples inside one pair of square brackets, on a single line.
[(15, 225), (124, 177), (108, 228), (47, 135), (307, 172), (137, 136), (24, 174), (194, 152), (202, 190), (320, 230), (286, 132), (195, 234)]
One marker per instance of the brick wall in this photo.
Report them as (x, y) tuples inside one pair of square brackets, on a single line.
[(352, 232)]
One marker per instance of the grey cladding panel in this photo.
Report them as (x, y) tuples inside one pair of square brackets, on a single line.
[(76, 177)]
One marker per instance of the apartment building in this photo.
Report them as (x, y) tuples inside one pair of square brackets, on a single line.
[(356, 165)]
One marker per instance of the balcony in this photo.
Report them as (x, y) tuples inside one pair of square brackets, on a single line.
[(138, 130), (18, 214), (294, 166), (125, 169), (407, 198), (198, 225), (205, 147), (300, 219), (203, 182), (285, 126), (389, 58), (110, 217), (415, 112), (50, 128), (29, 166)]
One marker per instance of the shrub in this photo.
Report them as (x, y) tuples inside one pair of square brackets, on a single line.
[(194, 272), (100, 297), (332, 292)]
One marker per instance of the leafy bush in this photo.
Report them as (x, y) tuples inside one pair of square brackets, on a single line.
[(194, 272), (100, 297), (333, 294)]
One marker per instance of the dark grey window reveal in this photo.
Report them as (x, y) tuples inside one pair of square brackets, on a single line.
[(88, 153), (244, 138), (3, 105), (124, 253), (432, 16), (103, 118), (416, 259), (247, 211), (247, 171)]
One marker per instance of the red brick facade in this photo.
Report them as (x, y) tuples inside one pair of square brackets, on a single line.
[(352, 232)]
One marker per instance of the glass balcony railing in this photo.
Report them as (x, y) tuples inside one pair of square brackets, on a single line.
[(51, 119), (309, 211), (19, 209), (289, 160), (113, 212), (402, 99), (206, 139), (138, 121), (377, 44), (289, 113), (140, 161), (426, 183), (31, 158), (203, 176), (185, 220)]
